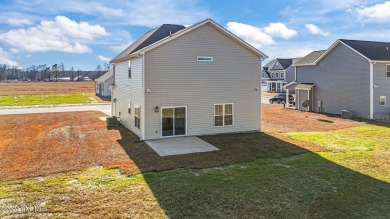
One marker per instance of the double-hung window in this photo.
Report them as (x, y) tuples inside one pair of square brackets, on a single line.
[(223, 114), (137, 117), (382, 101), (281, 74), (388, 71)]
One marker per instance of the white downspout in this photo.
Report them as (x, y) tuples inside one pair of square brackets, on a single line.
[(372, 90)]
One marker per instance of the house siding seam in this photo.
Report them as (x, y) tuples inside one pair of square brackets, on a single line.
[(381, 88), (341, 82), (176, 78), (128, 90)]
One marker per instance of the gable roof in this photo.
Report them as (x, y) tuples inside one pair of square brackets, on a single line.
[(310, 59), (181, 31), (149, 38), (283, 64), (375, 51), (105, 76)]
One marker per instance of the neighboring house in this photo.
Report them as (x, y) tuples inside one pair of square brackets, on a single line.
[(277, 73), (351, 75), (181, 81), (103, 84)]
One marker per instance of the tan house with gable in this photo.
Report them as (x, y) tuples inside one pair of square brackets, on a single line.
[(183, 81)]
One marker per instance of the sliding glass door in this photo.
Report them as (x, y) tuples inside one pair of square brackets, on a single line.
[(173, 121)]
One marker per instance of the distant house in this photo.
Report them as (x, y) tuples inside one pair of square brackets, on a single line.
[(183, 81), (278, 73), (351, 75), (103, 84), (81, 78)]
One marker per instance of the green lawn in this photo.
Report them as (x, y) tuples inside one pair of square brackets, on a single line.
[(365, 149), (334, 184), (49, 99)]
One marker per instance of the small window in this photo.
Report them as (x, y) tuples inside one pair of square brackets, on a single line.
[(205, 59), (382, 101), (129, 69), (273, 75), (137, 118), (277, 63), (388, 71), (281, 74), (223, 114), (263, 75), (129, 108), (277, 74)]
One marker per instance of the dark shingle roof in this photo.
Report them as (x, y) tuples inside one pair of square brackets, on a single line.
[(149, 38), (285, 63), (311, 58), (372, 50)]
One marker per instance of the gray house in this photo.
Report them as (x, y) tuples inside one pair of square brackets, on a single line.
[(277, 73), (103, 83), (351, 75), (182, 81)]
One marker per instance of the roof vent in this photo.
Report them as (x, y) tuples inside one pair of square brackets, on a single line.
[(170, 33), (387, 48)]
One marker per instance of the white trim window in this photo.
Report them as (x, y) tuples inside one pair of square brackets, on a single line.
[(388, 71), (273, 75), (137, 117), (205, 59), (277, 74), (223, 114), (382, 101), (281, 74)]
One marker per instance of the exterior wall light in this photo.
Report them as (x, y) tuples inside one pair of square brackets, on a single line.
[(156, 109)]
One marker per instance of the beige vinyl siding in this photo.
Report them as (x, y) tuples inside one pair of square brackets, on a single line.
[(128, 90), (176, 78)]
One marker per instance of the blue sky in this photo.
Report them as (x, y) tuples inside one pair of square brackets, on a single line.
[(84, 34)]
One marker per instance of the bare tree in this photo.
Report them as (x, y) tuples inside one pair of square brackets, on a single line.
[(71, 70), (106, 67), (98, 70), (79, 71)]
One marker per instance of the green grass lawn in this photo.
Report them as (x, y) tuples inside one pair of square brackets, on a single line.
[(334, 184), (365, 149), (49, 99)]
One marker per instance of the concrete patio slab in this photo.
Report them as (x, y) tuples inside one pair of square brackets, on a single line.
[(180, 145)]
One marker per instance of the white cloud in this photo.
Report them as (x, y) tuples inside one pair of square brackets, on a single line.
[(5, 58), (149, 13), (379, 13), (104, 59), (19, 22), (253, 35), (62, 34), (280, 30), (313, 29)]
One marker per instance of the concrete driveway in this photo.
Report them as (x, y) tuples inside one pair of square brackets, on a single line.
[(105, 108)]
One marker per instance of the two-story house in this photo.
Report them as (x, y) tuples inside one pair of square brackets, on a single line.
[(182, 81), (351, 75), (277, 73)]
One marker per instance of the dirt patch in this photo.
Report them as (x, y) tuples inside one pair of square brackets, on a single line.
[(42, 144), (275, 118), (25, 88)]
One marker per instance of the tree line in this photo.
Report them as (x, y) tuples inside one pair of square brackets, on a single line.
[(56, 72)]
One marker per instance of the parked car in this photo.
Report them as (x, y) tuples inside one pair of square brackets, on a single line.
[(281, 98)]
